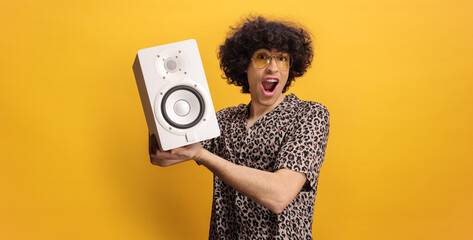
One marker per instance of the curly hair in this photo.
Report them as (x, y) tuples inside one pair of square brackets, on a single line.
[(256, 33)]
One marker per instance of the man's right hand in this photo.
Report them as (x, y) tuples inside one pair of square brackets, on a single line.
[(171, 157)]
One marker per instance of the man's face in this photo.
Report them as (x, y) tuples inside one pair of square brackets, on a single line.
[(267, 82)]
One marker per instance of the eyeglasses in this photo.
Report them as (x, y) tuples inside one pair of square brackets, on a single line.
[(263, 59)]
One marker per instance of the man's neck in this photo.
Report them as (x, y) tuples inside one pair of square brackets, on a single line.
[(257, 110)]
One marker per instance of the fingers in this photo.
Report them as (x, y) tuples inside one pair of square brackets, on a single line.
[(173, 156), (161, 158), (179, 152), (165, 155), (152, 159)]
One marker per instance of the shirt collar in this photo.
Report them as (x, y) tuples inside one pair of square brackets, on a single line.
[(286, 105)]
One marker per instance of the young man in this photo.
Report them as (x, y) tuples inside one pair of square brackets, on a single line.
[(267, 160)]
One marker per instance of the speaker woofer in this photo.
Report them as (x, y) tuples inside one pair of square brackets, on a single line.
[(182, 107)]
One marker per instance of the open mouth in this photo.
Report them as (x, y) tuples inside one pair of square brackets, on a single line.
[(269, 86)]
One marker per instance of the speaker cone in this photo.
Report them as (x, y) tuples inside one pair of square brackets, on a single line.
[(182, 107)]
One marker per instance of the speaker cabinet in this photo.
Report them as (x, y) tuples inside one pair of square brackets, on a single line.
[(175, 95)]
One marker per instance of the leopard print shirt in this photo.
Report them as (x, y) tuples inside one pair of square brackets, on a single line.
[(292, 136)]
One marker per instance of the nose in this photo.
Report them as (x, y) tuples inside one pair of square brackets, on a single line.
[(273, 66)]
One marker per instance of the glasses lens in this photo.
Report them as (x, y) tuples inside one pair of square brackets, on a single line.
[(262, 59), (283, 60)]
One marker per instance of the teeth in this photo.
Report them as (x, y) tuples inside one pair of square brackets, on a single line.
[(271, 80)]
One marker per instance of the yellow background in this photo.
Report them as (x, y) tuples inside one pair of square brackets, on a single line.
[(396, 76)]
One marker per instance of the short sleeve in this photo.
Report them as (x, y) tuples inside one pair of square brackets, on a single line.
[(303, 149), (209, 144), (212, 145)]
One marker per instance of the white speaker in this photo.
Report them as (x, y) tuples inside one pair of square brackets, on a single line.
[(175, 95)]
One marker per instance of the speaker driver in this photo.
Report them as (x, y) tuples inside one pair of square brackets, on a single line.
[(182, 107), (171, 64)]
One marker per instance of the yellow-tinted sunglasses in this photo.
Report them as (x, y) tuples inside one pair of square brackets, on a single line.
[(263, 59)]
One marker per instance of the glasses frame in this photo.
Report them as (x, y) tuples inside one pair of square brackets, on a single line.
[(270, 59)]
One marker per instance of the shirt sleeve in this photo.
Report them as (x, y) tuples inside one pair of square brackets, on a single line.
[(209, 144), (304, 147), (212, 145)]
